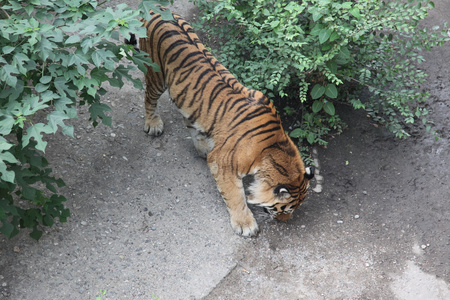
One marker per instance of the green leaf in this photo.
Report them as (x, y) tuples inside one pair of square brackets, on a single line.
[(45, 79), (7, 75), (316, 29), (100, 56), (355, 12), (8, 49), (8, 157), (343, 56), (122, 71), (146, 6), (41, 87), (97, 110), (317, 91), (324, 34), (332, 65), (329, 108), (78, 58), (56, 118), (7, 175), (311, 137), (7, 229), (296, 133), (334, 36), (317, 106), (62, 87), (73, 39), (274, 24), (36, 233), (331, 91), (6, 124), (35, 131), (347, 5)]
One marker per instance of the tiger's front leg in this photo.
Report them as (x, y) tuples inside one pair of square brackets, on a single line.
[(231, 188)]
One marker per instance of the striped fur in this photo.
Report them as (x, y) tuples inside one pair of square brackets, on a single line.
[(236, 128)]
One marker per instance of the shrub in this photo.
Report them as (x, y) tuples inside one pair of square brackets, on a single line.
[(54, 57), (318, 53)]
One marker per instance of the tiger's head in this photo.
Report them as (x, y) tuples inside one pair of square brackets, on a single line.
[(280, 182)]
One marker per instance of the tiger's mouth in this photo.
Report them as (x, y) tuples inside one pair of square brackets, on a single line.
[(282, 216)]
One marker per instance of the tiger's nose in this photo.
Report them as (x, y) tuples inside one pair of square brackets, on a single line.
[(283, 217)]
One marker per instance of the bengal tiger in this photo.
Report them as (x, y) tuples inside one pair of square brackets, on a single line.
[(236, 128)]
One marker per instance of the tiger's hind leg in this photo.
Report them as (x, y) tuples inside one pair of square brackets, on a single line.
[(153, 122), (202, 143), (154, 88)]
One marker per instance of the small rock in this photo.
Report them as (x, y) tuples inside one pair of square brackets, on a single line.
[(113, 134), (84, 223), (365, 192), (423, 246), (318, 189), (16, 249), (356, 216), (340, 221)]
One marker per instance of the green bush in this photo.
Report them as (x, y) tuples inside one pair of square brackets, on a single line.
[(54, 57), (310, 55)]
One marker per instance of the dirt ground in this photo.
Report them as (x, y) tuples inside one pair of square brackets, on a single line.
[(148, 223)]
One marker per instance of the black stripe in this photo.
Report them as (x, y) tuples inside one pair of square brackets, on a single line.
[(267, 137), (279, 167), (257, 128), (260, 111), (175, 55), (203, 74), (276, 128), (219, 87), (181, 97), (186, 58)]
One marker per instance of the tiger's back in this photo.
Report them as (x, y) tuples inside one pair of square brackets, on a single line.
[(235, 127)]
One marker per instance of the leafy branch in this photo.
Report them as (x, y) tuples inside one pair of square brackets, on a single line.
[(55, 56)]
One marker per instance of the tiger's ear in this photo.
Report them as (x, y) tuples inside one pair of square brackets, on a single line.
[(309, 173)]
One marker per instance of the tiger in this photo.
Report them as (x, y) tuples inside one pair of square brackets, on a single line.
[(237, 129)]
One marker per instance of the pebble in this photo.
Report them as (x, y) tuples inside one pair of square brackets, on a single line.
[(84, 223), (340, 221), (113, 134), (356, 216), (365, 192), (16, 249)]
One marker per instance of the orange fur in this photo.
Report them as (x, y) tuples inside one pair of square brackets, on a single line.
[(236, 128)]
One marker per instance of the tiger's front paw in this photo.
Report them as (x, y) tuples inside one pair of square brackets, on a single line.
[(154, 126), (245, 226)]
